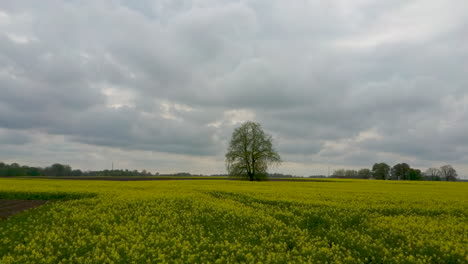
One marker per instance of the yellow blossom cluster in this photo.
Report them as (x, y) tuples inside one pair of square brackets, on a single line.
[(226, 221)]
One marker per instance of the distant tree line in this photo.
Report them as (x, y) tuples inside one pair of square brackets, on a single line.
[(116, 173), (14, 169), (400, 171), (379, 171), (281, 175)]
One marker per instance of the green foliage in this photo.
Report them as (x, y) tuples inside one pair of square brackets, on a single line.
[(414, 174), (400, 172), (14, 169), (59, 170), (250, 152), (365, 173), (352, 174), (381, 171), (345, 221)]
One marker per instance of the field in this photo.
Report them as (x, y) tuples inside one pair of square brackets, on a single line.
[(332, 221)]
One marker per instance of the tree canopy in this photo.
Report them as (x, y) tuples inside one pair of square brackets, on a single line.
[(250, 152), (448, 173), (400, 171), (381, 171)]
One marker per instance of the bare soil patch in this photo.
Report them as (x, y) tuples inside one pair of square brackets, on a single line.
[(11, 207)]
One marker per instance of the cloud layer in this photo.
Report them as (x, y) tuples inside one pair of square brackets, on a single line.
[(161, 84)]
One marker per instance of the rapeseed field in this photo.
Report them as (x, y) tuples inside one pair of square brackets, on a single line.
[(223, 221)]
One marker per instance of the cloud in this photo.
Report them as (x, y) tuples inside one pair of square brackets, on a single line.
[(337, 83), (13, 137)]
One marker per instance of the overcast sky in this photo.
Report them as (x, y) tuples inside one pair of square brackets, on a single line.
[(160, 85)]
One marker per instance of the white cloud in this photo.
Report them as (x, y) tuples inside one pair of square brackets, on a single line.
[(117, 97), (238, 116), (170, 110), (20, 39), (4, 18)]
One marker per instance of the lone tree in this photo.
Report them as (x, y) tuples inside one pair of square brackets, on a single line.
[(250, 152)]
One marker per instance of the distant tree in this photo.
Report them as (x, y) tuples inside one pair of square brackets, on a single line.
[(340, 173), (448, 173), (414, 174), (351, 174), (76, 173), (58, 169), (364, 173), (400, 171), (182, 174), (280, 175), (250, 152), (32, 171), (433, 174), (14, 170), (317, 176), (381, 171)]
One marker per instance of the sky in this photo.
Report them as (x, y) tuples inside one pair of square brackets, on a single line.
[(161, 85)]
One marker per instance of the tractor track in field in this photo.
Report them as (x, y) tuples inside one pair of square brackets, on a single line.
[(11, 207)]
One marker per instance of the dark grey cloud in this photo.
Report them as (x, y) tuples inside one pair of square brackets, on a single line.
[(337, 83)]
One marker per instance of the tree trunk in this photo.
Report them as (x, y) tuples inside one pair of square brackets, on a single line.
[(253, 170), (251, 178)]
